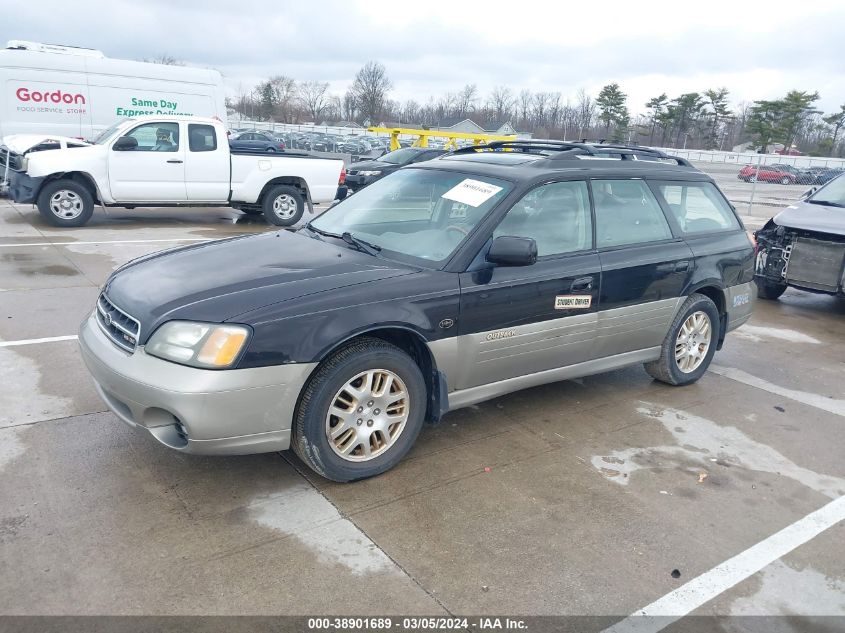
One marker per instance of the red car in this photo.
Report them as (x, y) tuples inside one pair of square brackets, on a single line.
[(769, 173)]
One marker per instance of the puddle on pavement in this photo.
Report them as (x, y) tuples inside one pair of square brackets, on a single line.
[(757, 333), (787, 591), (21, 400), (11, 446), (700, 441), (304, 513), (30, 264)]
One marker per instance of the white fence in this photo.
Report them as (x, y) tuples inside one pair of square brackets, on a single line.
[(752, 158)]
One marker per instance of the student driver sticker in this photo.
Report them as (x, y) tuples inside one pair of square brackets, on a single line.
[(573, 302), (472, 192)]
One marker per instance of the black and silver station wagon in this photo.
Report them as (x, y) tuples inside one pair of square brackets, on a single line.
[(491, 269)]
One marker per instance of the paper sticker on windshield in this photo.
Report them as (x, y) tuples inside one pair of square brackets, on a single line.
[(472, 192), (573, 302)]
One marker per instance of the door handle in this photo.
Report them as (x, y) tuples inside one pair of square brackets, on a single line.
[(175, 162), (681, 266), (582, 283)]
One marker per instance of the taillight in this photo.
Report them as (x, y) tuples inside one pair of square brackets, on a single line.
[(342, 178), (753, 239), (281, 146)]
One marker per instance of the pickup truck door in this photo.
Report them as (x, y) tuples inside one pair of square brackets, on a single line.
[(207, 167), (152, 171)]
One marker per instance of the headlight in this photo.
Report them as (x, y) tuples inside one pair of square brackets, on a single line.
[(202, 345), (369, 173)]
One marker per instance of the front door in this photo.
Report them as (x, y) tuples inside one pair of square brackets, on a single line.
[(154, 170), (522, 320), (644, 267)]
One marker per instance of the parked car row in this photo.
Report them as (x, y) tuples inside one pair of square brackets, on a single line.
[(788, 174)]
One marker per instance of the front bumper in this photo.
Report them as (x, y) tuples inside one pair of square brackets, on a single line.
[(201, 411), (24, 188), (356, 182)]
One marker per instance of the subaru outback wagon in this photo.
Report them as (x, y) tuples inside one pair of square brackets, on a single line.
[(483, 272)]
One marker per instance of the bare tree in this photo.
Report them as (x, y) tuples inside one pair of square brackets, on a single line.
[(312, 96), (370, 90), (501, 102), (585, 109), (524, 105), (465, 100)]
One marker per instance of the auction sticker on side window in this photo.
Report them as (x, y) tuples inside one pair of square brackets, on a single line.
[(573, 302), (472, 192)]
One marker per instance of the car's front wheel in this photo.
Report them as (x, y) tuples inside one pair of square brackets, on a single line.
[(785, 181), (65, 203), (361, 411), (769, 290), (690, 344)]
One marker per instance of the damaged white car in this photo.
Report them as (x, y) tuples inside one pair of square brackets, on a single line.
[(804, 245)]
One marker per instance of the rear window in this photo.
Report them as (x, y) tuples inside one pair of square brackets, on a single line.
[(201, 138), (627, 213), (698, 207)]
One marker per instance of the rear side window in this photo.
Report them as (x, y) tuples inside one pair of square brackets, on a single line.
[(201, 138), (697, 206), (627, 213)]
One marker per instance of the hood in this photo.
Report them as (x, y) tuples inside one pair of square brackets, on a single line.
[(813, 217), (372, 165), (217, 281), (23, 143)]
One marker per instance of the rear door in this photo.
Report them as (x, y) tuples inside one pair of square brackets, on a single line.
[(644, 267), (154, 171), (207, 167), (522, 320)]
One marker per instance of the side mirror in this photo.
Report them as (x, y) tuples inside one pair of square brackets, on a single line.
[(125, 144), (808, 193), (512, 251)]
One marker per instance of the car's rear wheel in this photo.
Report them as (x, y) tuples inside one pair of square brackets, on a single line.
[(65, 203), (283, 205), (361, 411), (690, 344), (785, 181), (769, 290), (270, 150)]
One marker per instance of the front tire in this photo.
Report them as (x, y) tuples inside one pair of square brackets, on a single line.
[(361, 412), (65, 203), (283, 206), (690, 344), (785, 181), (769, 290)]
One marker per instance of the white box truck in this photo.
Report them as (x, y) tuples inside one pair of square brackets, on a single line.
[(78, 92)]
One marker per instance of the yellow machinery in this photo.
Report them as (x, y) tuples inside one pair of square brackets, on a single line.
[(423, 136)]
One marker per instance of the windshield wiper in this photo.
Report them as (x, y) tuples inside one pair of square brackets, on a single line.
[(827, 203), (322, 232), (361, 245)]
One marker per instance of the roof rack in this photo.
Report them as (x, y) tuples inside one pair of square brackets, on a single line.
[(564, 150), (526, 146)]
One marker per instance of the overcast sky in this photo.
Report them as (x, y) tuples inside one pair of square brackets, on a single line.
[(756, 49)]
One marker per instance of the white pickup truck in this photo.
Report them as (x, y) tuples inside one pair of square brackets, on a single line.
[(158, 161)]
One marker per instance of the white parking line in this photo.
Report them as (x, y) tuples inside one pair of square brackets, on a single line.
[(824, 403), (180, 239), (689, 597), (34, 341)]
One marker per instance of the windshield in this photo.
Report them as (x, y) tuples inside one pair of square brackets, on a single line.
[(833, 193), (106, 134), (399, 157), (415, 214)]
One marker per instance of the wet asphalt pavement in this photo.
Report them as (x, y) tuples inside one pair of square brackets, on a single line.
[(580, 497)]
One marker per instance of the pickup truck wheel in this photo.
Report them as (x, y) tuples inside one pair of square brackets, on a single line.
[(361, 411), (283, 206), (65, 203), (690, 344)]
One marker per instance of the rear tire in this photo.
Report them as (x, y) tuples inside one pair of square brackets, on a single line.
[(785, 181), (769, 290), (65, 203), (690, 344), (356, 452), (283, 205)]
